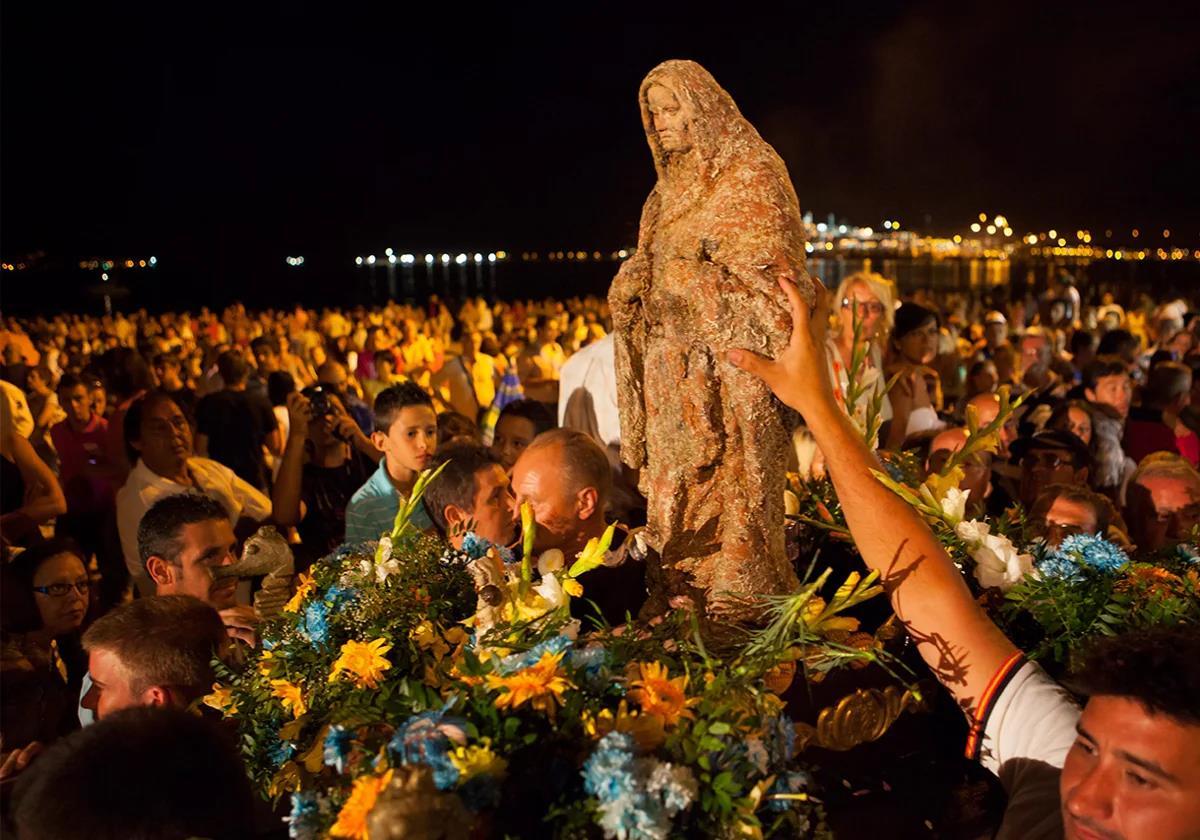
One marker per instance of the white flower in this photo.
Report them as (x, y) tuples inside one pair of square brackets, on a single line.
[(386, 569), (997, 563), (385, 548), (551, 560), (972, 531), (552, 592), (954, 504)]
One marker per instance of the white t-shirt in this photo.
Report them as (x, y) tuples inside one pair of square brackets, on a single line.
[(593, 371), (1025, 726)]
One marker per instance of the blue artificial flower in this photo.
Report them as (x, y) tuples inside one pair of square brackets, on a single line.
[(593, 662), (475, 546), (315, 626), (608, 772), (635, 798), (281, 752), (519, 661), (423, 739), (1056, 566), (1187, 553), (781, 740), (1096, 552), (1080, 551), (337, 747), (303, 821), (794, 782), (340, 596)]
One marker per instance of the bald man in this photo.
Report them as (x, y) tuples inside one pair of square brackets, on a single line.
[(565, 477)]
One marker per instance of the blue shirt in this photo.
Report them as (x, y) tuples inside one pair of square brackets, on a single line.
[(373, 508)]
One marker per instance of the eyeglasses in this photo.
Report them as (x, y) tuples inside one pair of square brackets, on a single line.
[(60, 590), (864, 306)]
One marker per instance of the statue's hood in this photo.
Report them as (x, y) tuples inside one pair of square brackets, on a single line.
[(720, 134)]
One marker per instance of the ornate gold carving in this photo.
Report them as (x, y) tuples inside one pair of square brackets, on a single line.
[(858, 718)]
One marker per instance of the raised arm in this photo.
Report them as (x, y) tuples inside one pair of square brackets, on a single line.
[(955, 637)]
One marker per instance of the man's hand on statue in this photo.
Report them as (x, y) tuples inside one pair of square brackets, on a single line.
[(798, 376)]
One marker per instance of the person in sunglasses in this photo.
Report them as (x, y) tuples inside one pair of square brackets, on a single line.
[(44, 596)]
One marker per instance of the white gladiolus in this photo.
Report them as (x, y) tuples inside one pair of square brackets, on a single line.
[(998, 564), (551, 591), (954, 504), (972, 531)]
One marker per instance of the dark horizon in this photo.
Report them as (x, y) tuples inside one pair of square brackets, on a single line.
[(232, 141)]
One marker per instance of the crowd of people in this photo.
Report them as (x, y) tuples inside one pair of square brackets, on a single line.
[(140, 451)]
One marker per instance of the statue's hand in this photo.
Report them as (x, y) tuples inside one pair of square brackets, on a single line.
[(799, 376)]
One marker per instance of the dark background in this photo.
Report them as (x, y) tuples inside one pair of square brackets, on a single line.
[(223, 139)]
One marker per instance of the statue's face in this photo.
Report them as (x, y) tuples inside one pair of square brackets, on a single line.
[(672, 119)]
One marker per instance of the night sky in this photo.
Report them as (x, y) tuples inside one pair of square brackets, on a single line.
[(258, 134)]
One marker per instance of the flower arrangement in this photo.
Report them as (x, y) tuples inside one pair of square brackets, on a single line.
[(1088, 587), (408, 684)]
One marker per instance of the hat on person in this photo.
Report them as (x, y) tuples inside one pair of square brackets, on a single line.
[(911, 317), (1053, 439), (995, 317)]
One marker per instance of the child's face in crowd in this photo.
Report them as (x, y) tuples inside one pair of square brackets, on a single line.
[(513, 434), (410, 442)]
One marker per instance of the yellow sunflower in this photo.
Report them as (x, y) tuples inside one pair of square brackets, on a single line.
[(352, 819), (541, 685), (659, 695), (365, 662), (290, 695)]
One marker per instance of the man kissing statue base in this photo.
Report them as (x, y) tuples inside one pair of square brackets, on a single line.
[(719, 229)]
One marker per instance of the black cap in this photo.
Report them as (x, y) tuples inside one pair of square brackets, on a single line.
[(1053, 439)]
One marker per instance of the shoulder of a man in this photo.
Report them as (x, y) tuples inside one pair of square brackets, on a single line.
[(1024, 727)]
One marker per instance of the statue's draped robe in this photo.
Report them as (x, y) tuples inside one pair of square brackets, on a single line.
[(710, 440)]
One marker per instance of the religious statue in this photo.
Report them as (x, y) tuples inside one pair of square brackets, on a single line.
[(719, 229)]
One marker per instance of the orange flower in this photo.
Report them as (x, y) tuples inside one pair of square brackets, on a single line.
[(352, 819), (659, 695), (541, 685)]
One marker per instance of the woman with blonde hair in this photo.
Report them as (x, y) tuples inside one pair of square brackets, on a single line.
[(864, 300)]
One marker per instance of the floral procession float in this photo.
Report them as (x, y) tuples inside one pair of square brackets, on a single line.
[(411, 689)]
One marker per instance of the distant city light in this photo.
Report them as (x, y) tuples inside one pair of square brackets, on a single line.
[(445, 259), (407, 259), (391, 258), (492, 257), (841, 228), (295, 261), (371, 260), (502, 255), (622, 253), (983, 217), (887, 225), (808, 246), (429, 259), (478, 258), (822, 227), (104, 277), (1053, 233), (975, 227), (991, 229), (388, 251), (358, 260), (1008, 231), (153, 261), (461, 259)]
